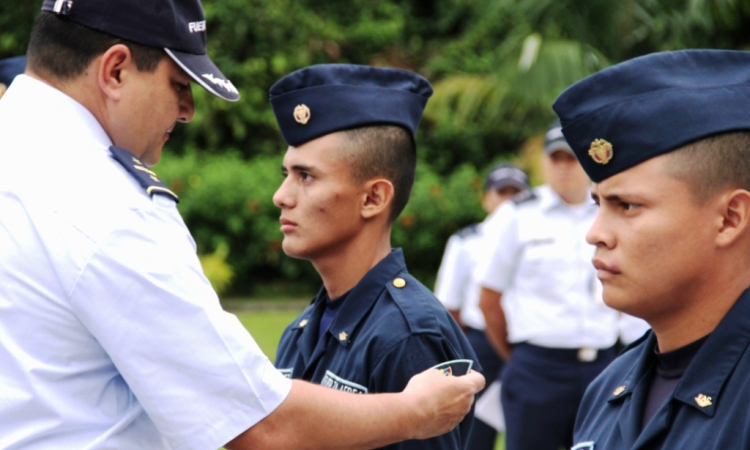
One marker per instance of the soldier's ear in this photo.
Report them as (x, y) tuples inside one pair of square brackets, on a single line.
[(377, 198), (735, 217), (113, 69)]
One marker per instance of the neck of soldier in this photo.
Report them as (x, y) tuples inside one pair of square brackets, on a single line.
[(342, 269), (708, 301)]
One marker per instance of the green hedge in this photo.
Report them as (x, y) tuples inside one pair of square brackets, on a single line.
[(226, 202)]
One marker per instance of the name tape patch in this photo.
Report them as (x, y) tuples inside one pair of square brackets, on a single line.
[(334, 381)]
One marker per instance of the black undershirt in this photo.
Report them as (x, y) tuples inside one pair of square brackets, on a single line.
[(332, 308), (670, 367)]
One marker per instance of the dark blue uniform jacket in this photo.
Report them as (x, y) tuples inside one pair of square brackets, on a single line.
[(384, 333), (709, 409)]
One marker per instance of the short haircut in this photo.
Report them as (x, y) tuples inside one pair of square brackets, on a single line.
[(62, 49), (713, 164), (386, 151)]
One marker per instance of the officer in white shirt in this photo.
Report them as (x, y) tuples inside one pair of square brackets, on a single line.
[(553, 329), (111, 335), (458, 289)]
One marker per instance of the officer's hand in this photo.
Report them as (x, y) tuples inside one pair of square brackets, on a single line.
[(441, 401)]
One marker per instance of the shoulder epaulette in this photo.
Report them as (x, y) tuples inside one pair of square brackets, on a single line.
[(468, 231), (523, 197), (146, 178)]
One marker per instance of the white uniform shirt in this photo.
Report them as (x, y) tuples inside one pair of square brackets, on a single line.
[(456, 286), (535, 253), (112, 338)]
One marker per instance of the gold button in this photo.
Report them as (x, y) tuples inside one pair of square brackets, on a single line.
[(303, 322), (343, 336), (619, 390), (399, 282)]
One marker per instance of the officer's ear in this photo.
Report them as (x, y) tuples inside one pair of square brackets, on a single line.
[(735, 217), (377, 198), (115, 65)]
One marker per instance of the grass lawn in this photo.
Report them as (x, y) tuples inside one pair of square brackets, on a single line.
[(267, 326)]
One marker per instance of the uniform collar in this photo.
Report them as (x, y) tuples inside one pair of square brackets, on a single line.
[(701, 385), (549, 199), (364, 295)]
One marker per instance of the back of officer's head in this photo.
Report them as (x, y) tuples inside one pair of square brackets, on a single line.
[(68, 35), (690, 105), (376, 112)]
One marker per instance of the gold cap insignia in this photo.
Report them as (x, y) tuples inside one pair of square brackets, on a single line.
[(601, 151), (399, 282), (343, 336), (302, 114), (703, 400), (619, 390), (303, 322)]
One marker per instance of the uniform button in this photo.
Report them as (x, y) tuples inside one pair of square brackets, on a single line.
[(619, 390), (399, 282), (303, 322), (343, 336)]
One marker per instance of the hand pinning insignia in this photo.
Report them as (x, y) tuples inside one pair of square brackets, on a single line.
[(601, 151), (703, 400), (302, 114)]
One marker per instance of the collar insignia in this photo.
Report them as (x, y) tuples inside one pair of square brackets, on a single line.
[(399, 282), (302, 114), (703, 400), (343, 336), (619, 390), (601, 151), (303, 322)]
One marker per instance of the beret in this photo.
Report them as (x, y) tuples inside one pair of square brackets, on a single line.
[(325, 98), (651, 105)]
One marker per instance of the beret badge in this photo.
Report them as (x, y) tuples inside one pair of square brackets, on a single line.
[(302, 114), (601, 151)]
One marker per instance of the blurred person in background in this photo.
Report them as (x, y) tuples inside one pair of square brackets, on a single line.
[(458, 290), (552, 327)]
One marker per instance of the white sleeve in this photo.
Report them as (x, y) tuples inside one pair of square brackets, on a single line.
[(497, 262), (196, 371), (450, 285)]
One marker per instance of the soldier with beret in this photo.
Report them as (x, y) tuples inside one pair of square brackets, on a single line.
[(348, 173), (458, 289), (666, 140), (10, 68), (112, 337)]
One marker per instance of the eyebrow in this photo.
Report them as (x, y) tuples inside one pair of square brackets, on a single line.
[(299, 168)]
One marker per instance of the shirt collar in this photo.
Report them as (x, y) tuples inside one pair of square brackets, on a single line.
[(549, 199), (364, 295)]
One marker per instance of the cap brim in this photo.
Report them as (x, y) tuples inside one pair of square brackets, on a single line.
[(204, 72)]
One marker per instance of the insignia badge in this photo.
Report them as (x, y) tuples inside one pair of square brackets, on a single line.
[(303, 322), (457, 367), (343, 336), (601, 151), (302, 114), (619, 390), (399, 282), (703, 400)]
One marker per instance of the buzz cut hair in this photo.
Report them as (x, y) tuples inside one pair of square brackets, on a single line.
[(713, 164), (63, 49), (386, 151)]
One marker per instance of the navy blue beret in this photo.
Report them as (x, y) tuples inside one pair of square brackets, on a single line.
[(10, 68), (325, 98), (648, 106)]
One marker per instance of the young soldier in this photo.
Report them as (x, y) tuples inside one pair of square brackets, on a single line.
[(666, 139), (348, 173)]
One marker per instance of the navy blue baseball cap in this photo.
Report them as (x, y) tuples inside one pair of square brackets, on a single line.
[(648, 106), (506, 174), (11, 68), (177, 26), (554, 139), (325, 98)]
